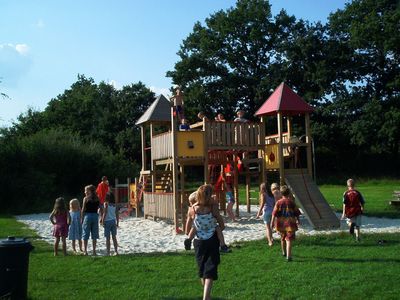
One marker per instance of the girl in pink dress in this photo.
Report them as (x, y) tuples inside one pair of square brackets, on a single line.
[(60, 219)]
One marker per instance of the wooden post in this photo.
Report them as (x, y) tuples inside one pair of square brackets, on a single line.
[(182, 171), (174, 167), (235, 183), (153, 171), (137, 204), (143, 138), (280, 151), (308, 141), (262, 151), (116, 191), (205, 142), (289, 127), (248, 191), (128, 192)]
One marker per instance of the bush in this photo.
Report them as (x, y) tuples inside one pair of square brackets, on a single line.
[(51, 163)]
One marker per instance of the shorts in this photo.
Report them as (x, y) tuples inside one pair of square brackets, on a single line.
[(288, 235), (355, 220), (229, 197), (60, 230), (267, 216), (207, 257), (110, 227), (90, 226)]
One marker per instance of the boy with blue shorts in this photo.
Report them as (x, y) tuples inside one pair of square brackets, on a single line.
[(110, 221)]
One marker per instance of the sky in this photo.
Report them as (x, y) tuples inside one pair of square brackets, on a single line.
[(45, 44)]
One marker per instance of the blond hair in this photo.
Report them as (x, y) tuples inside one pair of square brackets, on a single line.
[(204, 195), (74, 204)]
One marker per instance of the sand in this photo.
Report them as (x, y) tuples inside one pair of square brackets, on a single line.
[(139, 235)]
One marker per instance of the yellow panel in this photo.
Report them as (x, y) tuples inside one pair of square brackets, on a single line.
[(271, 156), (190, 143)]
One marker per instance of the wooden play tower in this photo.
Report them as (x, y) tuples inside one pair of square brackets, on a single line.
[(166, 152)]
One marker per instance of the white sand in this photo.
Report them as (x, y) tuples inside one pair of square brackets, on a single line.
[(137, 235)]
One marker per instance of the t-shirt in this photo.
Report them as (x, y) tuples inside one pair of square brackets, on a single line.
[(184, 127), (101, 191), (352, 199), (286, 213)]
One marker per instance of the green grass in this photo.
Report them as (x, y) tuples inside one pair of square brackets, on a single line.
[(332, 266)]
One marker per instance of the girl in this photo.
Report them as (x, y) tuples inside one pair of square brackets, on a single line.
[(90, 218), (202, 217), (75, 227), (230, 200), (110, 221), (267, 203), (286, 214), (59, 217)]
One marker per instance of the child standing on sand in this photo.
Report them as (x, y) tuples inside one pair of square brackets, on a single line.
[(188, 242), (110, 221), (267, 203), (59, 217), (75, 226), (285, 217)]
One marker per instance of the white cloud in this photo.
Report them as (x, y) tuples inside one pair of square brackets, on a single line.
[(22, 49), (115, 84), (157, 90), (14, 63), (40, 24)]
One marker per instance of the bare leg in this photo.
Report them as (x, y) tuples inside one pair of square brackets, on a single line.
[(289, 249), (283, 247), (73, 246), (80, 245), (85, 242), (269, 234), (115, 242), (108, 245), (230, 211), (57, 241), (64, 245), (357, 231), (208, 283), (94, 242)]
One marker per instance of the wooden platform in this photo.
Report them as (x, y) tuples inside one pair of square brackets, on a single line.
[(307, 194)]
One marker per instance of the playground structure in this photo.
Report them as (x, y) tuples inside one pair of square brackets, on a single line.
[(225, 150)]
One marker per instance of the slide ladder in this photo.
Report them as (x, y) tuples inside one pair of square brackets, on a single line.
[(315, 207)]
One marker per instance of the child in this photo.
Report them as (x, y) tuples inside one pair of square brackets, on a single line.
[(59, 217), (353, 207), (220, 118), (75, 227), (267, 203), (184, 126), (218, 230), (230, 200), (110, 221), (286, 215), (239, 118)]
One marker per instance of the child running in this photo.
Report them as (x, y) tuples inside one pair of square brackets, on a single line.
[(353, 207), (267, 203), (110, 221), (59, 217), (75, 227), (230, 200), (285, 217), (188, 242)]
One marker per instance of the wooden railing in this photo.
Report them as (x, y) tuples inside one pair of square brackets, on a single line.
[(159, 205), (234, 135), (161, 146)]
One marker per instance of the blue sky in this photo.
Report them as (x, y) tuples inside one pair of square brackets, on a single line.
[(45, 44)]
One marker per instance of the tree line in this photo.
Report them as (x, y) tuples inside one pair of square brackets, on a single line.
[(348, 69)]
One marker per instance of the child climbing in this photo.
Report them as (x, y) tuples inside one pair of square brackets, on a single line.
[(59, 217), (285, 219), (75, 227), (188, 242), (110, 221)]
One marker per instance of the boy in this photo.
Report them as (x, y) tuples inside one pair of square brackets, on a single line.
[(218, 230), (353, 207)]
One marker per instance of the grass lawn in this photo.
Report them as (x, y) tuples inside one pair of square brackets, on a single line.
[(324, 267)]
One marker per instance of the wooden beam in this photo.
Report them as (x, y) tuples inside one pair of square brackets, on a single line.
[(280, 150), (308, 141)]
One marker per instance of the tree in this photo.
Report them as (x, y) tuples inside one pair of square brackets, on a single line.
[(241, 54)]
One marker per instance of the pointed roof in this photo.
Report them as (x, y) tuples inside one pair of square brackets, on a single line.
[(158, 111), (284, 100)]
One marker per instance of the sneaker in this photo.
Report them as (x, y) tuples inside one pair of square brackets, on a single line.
[(357, 239), (352, 228), (225, 249), (188, 244)]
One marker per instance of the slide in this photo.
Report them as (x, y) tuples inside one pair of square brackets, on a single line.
[(315, 207)]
